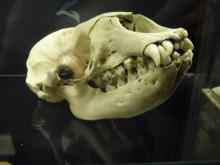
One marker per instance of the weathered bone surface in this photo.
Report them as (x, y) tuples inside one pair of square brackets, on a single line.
[(116, 65)]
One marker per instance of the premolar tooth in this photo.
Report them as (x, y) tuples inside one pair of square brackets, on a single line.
[(141, 69), (168, 46), (175, 55), (120, 74), (153, 52), (131, 68), (140, 60)]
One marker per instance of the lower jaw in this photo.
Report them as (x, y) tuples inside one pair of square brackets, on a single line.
[(137, 97)]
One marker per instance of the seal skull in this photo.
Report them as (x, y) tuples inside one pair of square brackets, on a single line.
[(116, 65)]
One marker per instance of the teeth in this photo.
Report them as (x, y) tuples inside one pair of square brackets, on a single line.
[(153, 52), (188, 44), (141, 69), (99, 82), (182, 43), (191, 53), (141, 61), (175, 55), (164, 56), (107, 76), (168, 46), (188, 53), (166, 61), (109, 87), (176, 46), (120, 71), (129, 64), (132, 68), (120, 74)]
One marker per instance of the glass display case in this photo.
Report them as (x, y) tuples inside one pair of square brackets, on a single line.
[(183, 130)]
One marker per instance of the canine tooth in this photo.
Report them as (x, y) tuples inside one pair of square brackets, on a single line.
[(168, 46), (175, 55), (176, 46), (164, 56), (188, 44), (153, 52), (162, 50)]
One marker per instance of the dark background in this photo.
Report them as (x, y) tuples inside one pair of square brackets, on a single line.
[(167, 133)]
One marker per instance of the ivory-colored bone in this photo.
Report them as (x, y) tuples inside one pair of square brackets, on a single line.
[(100, 45)]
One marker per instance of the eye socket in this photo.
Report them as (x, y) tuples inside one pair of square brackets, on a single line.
[(64, 72)]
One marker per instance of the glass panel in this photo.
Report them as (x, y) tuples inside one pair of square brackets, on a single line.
[(183, 130)]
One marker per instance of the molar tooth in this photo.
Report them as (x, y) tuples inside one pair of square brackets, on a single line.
[(107, 75), (99, 81), (175, 55), (168, 46), (153, 52), (120, 70)]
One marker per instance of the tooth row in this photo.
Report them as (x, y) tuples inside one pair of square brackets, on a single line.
[(132, 68), (163, 53), (129, 70), (185, 44)]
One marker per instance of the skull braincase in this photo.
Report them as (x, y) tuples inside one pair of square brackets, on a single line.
[(115, 65)]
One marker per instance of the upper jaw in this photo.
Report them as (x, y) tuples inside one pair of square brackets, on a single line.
[(165, 52), (161, 54)]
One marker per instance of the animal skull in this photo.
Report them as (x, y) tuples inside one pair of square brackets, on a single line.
[(116, 65)]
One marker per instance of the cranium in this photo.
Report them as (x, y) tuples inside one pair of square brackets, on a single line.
[(116, 65)]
